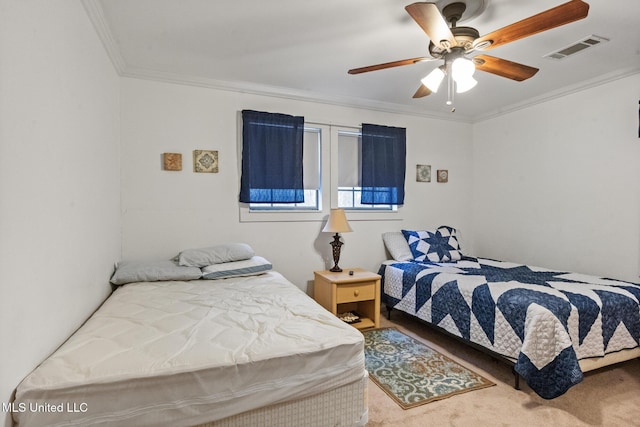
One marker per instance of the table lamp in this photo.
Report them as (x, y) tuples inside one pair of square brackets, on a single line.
[(337, 223)]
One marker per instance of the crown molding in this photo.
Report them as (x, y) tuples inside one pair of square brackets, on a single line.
[(565, 91), (288, 93), (96, 16)]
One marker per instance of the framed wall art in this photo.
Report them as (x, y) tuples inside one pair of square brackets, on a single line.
[(205, 161), (172, 161), (423, 173)]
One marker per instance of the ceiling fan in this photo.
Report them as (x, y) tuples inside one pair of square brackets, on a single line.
[(453, 44)]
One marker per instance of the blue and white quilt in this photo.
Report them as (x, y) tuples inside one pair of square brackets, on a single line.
[(545, 321)]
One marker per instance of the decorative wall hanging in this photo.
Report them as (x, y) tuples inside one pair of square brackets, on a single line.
[(443, 175), (205, 161), (423, 173), (172, 161)]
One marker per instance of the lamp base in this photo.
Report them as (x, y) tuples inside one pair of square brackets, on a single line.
[(336, 244)]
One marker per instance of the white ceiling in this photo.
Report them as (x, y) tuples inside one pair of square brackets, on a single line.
[(303, 49)]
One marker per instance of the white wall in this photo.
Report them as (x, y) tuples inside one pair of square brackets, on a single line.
[(165, 212), (59, 180), (557, 184)]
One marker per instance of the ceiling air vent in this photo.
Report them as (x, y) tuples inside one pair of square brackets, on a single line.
[(587, 42)]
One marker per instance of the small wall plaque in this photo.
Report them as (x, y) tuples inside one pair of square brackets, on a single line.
[(443, 175), (172, 161), (423, 173), (205, 161)]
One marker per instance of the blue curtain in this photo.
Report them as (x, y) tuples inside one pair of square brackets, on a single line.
[(383, 164), (271, 158)]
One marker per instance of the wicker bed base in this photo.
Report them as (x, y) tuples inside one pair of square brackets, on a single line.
[(343, 406)]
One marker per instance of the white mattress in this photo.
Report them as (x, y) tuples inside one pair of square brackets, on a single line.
[(184, 353)]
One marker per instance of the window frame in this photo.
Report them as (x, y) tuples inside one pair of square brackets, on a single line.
[(357, 132), (294, 215), (354, 214), (328, 186), (298, 207)]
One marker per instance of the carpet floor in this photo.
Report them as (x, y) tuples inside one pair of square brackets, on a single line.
[(411, 372), (608, 397)]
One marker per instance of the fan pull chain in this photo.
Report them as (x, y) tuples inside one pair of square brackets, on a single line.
[(450, 91)]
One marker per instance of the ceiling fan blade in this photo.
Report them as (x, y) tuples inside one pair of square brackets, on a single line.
[(432, 23), (504, 68), (566, 13), (388, 65), (422, 92)]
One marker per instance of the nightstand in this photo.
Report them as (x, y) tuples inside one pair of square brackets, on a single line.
[(340, 293)]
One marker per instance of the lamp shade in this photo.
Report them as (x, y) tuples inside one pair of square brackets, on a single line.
[(462, 71), (462, 68), (337, 222), (463, 85), (433, 79)]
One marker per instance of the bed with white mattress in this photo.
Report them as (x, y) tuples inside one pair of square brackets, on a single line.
[(250, 350)]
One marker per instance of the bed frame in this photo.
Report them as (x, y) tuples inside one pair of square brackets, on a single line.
[(586, 365)]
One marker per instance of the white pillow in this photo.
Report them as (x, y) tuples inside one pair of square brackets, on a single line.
[(248, 267), (219, 254), (397, 246), (152, 271)]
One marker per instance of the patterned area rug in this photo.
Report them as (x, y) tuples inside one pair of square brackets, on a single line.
[(411, 372)]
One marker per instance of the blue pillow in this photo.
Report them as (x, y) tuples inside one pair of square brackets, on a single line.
[(439, 245), (248, 267)]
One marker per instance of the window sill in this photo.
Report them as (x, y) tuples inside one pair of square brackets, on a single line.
[(247, 215)]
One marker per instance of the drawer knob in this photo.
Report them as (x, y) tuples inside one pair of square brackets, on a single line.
[(356, 292)]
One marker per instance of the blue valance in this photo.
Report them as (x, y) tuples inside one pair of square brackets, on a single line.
[(383, 164), (271, 158)]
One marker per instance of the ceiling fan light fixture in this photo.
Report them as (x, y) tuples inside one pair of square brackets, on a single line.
[(433, 79), (465, 84), (462, 68), (449, 42)]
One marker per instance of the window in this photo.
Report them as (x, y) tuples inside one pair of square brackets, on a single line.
[(384, 161), (332, 177), (311, 167), (350, 173), (272, 162)]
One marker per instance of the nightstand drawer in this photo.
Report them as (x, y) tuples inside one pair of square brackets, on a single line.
[(356, 292)]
